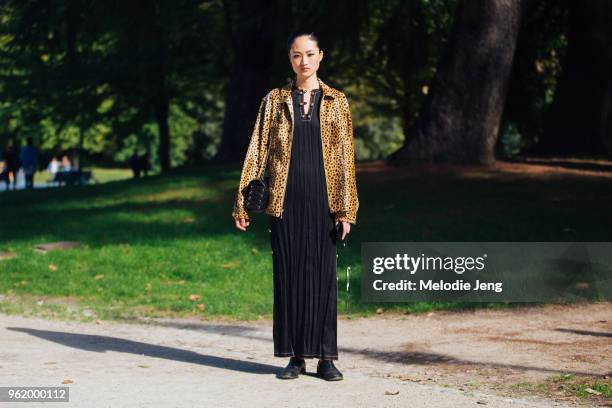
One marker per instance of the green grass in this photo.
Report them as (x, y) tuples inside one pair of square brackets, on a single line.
[(151, 243), (604, 388), (99, 175), (598, 390)]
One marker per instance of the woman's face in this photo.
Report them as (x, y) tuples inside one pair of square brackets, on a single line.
[(305, 57)]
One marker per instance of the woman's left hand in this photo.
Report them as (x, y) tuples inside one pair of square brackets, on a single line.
[(346, 228)]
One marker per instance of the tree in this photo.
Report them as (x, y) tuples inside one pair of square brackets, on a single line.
[(579, 121), (250, 75), (260, 55), (66, 60), (542, 45), (163, 51), (461, 115), (408, 37)]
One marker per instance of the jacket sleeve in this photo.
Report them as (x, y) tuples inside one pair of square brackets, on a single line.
[(349, 184), (254, 155)]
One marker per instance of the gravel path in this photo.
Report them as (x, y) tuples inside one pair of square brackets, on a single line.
[(445, 359)]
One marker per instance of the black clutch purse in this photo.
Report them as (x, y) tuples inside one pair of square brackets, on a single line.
[(257, 192)]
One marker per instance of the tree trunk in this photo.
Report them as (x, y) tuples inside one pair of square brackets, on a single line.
[(460, 118), (161, 106), (606, 117), (580, 118), (250, 76)]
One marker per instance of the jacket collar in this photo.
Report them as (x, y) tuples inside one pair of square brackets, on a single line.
[(325, 89)]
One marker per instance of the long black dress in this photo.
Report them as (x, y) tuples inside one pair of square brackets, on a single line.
[(303, 245)]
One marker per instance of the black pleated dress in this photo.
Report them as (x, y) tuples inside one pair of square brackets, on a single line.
[(303, 245)]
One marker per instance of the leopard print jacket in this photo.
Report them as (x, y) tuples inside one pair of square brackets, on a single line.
[(275, 120)]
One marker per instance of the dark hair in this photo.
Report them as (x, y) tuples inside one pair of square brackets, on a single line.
[(310, 34)]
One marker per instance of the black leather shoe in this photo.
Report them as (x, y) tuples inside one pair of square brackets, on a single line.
[(328, 371), (295, 367)]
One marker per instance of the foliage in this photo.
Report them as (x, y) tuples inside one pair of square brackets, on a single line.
[(100, 75)]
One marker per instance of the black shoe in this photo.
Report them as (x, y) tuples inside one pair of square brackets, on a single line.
[(328, 371), (295, 367)]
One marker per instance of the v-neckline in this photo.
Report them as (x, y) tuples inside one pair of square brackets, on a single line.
[(306, 117)]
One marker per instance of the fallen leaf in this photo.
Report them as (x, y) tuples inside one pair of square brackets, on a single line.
[(7, 255), (391, 392), (201, 306), (52, 267), (98, 277), (232, 264), (379, 310), (592, 391), (194, 298), (67, 381)]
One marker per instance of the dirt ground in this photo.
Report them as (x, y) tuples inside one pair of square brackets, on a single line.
[(536, 168), (528, 357), (508, 352)]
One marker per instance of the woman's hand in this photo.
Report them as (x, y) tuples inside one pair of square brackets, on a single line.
[(242, 223), (346, 228)]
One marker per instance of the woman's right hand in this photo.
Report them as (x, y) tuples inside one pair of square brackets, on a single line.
[(242, 223)]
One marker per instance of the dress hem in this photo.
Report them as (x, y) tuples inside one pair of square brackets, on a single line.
[(306, 356)]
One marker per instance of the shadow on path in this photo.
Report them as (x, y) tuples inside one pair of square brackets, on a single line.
[(584, 332), (105, 343), (102, 344)]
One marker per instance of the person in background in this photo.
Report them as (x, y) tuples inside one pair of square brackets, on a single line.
[(66, 165), (12, 166), (29, 161), (145, 163), (134, 162), (4, 173), (53, 167)]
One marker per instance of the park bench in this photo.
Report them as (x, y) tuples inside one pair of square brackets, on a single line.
[(71, 177)]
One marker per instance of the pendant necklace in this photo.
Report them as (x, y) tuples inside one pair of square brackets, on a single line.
[(303, 103)]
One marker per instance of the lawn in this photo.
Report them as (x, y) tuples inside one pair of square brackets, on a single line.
[(98, 174), (166, 245)]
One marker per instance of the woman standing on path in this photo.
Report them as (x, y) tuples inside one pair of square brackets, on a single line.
[(313, 201)]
